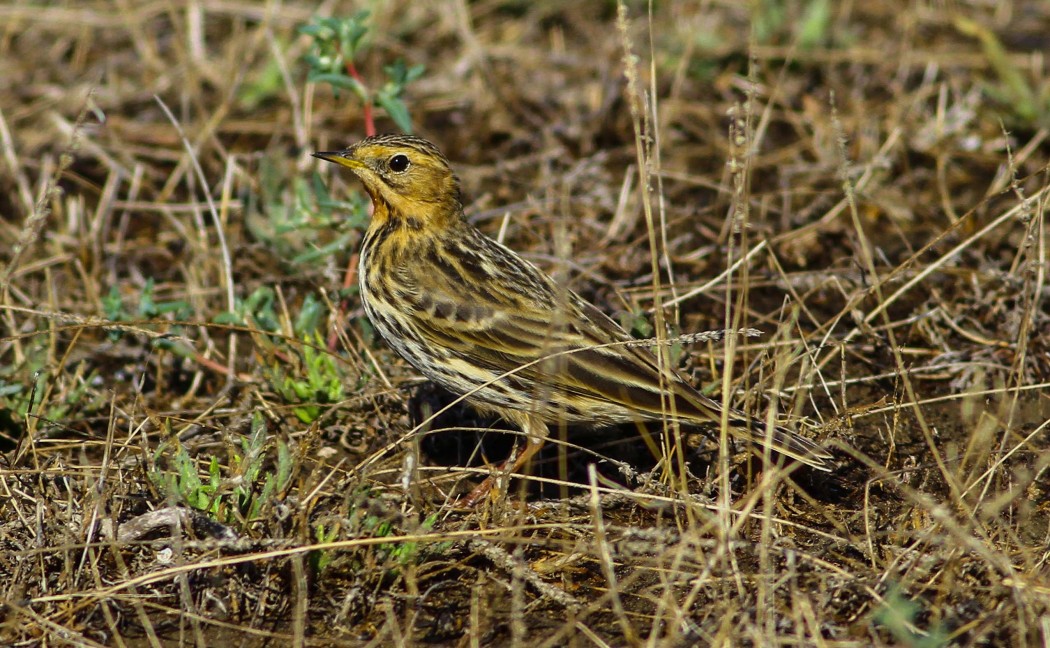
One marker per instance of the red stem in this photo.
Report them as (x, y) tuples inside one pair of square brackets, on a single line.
[(370, 125)]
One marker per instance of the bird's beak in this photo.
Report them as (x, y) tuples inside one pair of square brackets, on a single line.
[(339, 157)]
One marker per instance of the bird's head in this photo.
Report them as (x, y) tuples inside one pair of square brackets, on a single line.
[(407, 177)]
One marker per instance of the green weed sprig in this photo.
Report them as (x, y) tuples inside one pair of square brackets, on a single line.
[(336, 44)]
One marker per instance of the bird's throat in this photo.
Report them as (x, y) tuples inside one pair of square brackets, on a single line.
[(399, 220)]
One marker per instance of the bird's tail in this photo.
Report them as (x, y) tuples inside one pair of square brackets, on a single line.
[(780, 439)]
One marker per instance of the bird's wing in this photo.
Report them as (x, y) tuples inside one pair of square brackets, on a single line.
[(508, 316), (511, 317)]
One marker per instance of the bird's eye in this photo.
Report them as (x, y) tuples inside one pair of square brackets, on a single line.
[(398, 163)]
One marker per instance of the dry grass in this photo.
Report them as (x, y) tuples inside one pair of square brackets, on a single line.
[(876, 205)]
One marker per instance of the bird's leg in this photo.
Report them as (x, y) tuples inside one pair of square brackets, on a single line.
[(535, 436)]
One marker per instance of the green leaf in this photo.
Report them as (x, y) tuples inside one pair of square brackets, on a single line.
[(638, 324), (815, 24), (228, 317), (147, 308), (399, 74), (284, 465), (310, 314), (339, 80), (396, 109), (214, 475), (113, 305), (1015, 89), (352, 31), (323, 252), (319, 190), (259, 306)]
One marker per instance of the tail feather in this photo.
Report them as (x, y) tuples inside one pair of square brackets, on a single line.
[(783, 441), (692, 405)]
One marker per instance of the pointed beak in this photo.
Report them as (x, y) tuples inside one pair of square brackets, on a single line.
[(340, 158)]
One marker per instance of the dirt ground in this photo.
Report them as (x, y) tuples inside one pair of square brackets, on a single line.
[(202, 441)]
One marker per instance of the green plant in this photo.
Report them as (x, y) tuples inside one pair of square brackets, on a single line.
[(33, 388), (638, 325), (336, 44), (238, 493), (256, 309), (321, 558), (299, 368), (148, 308), (1025, 101), (308, 375), (897, 614), (262, 85), (397, 554), (314, 382), (808, 21)]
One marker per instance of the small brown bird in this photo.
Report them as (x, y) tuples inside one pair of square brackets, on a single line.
[(482, 322)]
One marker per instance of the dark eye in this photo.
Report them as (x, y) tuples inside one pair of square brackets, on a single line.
[(399, 163)]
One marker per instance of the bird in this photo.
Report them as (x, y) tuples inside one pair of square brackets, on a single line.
[(476, 318)]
